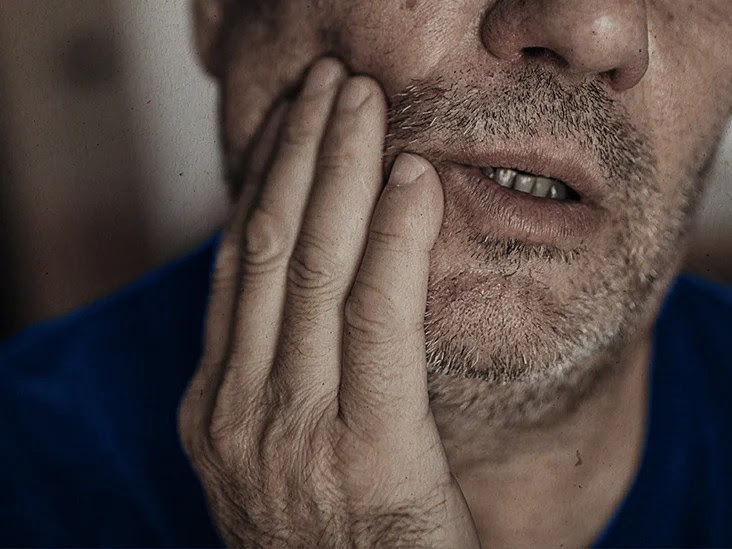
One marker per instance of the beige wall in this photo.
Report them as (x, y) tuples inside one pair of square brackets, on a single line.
[(711, 253), (72, 175), (109, 149), (110, 153), (177, 129)]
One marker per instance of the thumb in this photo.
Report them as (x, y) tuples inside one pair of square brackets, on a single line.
[(383, 373), (412, 204)]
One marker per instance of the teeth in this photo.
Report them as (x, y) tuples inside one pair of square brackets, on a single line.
[(488, 172), (558, 191), (524, 183), (504, 177), (542, 187)]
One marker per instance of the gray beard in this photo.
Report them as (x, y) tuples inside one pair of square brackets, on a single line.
[(523, 355), (542, 356)]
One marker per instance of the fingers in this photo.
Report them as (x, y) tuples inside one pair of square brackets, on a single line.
[(314, 247), (384, 376), (226, 273), (271, 229), (225, 284), (331, 242)]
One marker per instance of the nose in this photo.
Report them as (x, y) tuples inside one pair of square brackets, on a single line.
[(603, 37)]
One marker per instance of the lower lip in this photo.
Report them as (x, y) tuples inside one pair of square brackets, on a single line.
[(507, 213)]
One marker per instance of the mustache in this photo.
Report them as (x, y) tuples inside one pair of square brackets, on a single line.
[(517, 104), (521, 104)]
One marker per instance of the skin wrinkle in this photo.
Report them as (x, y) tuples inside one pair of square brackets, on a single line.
[(525, 101), (558, 359), (536, 353), (429, 112)]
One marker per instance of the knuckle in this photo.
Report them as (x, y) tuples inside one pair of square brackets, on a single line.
[(305, 408), (228, 436), (389, 240), (337, 164), (198, 449), (315, 269), (191, 430), (300, 131), (302, 351), (370, 319), (265, 243), (226, 443), (224, 450)]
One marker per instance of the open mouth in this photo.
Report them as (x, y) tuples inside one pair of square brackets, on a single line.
[(526, 204), (527, 183)]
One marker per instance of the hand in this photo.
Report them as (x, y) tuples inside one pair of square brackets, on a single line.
[(308, 420)]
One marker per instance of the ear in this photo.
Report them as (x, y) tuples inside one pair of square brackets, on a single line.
[(209, 34)]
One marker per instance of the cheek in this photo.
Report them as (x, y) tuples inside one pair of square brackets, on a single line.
[(399, 41), (265, 64), (684, 99)]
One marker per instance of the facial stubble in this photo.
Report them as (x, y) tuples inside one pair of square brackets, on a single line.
[(522, 347), (542, 325)]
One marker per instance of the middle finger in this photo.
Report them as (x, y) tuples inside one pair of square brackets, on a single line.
[(332, 241)]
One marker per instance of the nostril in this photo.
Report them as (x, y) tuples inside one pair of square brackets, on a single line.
[(603, 38), (536, 53), (610, 76)]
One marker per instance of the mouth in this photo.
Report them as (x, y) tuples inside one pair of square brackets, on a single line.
[(531, 184), (551, 203)]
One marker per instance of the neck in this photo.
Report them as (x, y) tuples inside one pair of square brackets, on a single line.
[(558, 478)]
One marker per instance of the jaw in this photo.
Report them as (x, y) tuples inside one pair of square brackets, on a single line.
[(520, 336)]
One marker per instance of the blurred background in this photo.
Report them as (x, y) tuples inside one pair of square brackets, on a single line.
[(109, 160)]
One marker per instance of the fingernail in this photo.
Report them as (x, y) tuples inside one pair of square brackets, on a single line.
[(407, 169), (323, 75), (355, 92)]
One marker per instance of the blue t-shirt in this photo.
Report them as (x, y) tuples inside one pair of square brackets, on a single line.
[(89, 453)]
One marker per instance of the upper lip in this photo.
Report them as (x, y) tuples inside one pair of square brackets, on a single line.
[(568, 166)]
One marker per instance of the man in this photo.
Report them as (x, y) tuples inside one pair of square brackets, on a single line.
[(444, 312)]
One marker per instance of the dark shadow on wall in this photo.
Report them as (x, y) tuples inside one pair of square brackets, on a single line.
[(73, 183), (710, 256), (10, 309)]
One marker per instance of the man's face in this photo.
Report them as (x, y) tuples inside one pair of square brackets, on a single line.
[(620, 102)]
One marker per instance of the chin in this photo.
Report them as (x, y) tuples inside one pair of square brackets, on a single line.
[(517, 327), (537, 329)]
